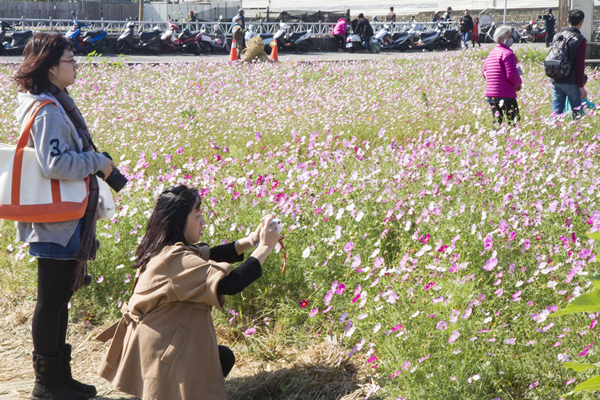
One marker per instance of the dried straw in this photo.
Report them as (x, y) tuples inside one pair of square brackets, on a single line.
[(255, 50), (318, 373)]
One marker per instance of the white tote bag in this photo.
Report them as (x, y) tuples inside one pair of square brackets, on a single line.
[(26, 195)]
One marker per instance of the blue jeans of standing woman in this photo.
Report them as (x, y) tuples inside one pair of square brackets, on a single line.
[(367, 43), (563, 91), (466, 37)]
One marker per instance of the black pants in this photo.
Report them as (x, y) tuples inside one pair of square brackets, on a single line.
[(549, 37), (341, 41), (51, 315), (227, 359), (509, 110)]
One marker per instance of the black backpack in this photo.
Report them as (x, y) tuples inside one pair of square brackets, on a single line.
[(558, 63)]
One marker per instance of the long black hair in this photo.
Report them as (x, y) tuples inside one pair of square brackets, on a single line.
[(166, 225)]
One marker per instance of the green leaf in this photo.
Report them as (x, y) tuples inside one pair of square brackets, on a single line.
[(578, 367), (595, 278), (588, 302), (593, 235), (590, 384)]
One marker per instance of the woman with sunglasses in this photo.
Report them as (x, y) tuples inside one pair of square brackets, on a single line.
[(63, 147)]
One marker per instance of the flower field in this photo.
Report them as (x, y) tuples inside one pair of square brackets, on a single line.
[(432, 244)]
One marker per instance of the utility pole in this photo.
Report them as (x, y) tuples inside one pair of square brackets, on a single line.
[(141, 11), (505, 6), (563, 10)]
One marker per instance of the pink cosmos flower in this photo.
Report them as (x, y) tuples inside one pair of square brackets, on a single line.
[(348, 247), (406, 365), (503, 226), (454, 316), (250, 331), (328, 297), (490, 264), (442, 325), (512, 236), (488, 242), (313, 313), (340, 288), (454, 336)]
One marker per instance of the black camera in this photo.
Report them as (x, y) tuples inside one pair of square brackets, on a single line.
[(116, 180)]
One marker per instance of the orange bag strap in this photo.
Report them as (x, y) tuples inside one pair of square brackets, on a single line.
[(18, 161)]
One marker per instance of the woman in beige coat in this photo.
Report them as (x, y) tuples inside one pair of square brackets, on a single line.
[(165, 347)]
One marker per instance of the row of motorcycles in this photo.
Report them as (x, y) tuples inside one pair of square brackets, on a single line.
[(174, 39), (444, 36), (528, 33), (83, 41), (287, 40), (156, 41)]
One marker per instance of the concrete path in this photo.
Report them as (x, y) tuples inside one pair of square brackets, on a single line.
[(309, 57)]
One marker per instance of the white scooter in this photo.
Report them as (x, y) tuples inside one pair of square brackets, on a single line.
[(354, 43), (383, 36)]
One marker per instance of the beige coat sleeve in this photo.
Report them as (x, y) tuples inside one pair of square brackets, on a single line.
[(194, 279)]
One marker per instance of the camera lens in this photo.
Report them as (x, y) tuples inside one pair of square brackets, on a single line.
[(116, 180)]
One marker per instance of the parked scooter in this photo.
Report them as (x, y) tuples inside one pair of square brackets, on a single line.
[(87, 41), (487, 32), (354, 42), (147, 41), (4, 26), (19, 40), (399, 42), (298, 42), (449, 37), (218, 40), (532, 32), (383, 36), (419, 39), (176, 40)]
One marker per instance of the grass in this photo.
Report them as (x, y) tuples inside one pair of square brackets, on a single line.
[(375, 169)]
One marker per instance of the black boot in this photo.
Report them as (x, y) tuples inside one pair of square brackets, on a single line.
[(49, 382), (88, 390)]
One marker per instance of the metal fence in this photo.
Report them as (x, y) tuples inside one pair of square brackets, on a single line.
[(115, 27)]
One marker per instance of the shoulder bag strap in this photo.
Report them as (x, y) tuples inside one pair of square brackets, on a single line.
[(18, 161)]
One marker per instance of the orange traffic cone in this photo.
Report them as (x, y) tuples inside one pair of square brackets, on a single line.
[(274, 52), (233, 56)]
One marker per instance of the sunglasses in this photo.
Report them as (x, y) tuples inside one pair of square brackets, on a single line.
[(69, 61)]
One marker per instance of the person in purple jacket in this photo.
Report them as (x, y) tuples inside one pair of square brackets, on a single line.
[(503, 78)]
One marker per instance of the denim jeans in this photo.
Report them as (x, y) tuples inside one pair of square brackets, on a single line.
[(367, 43), (560, 93), (54, 250), (466, 37)]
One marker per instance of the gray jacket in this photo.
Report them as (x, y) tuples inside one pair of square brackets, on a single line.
[(60, 155)]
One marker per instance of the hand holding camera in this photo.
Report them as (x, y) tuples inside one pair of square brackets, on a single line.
[(110, 164), (269, 232), (111, 175)]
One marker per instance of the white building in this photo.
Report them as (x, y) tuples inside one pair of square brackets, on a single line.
[(407, 7)]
